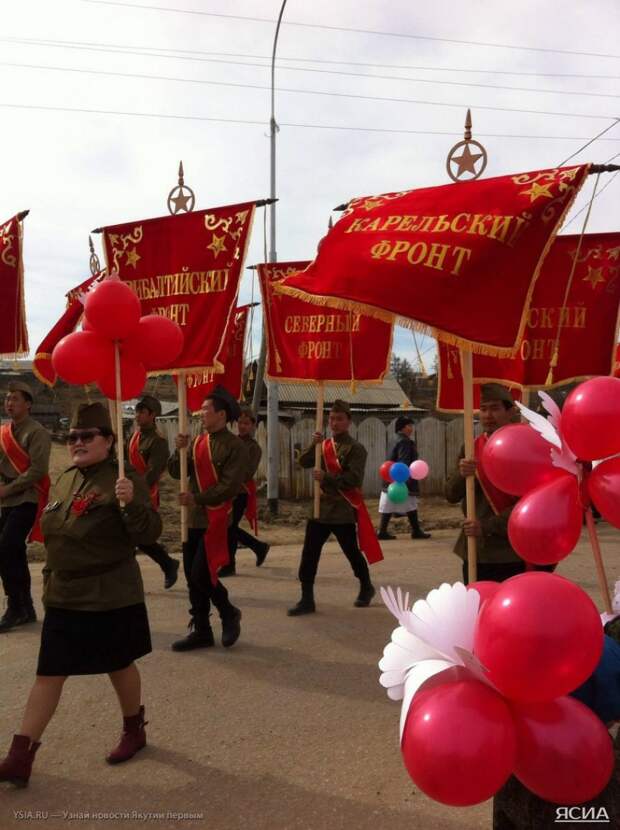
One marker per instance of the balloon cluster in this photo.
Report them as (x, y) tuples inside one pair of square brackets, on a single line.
[(111, 316), (398, 474), (549, 464), (485, 686)]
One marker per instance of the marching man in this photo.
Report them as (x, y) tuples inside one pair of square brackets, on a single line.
[(245, 502), (147, 452), (24, 484), (217, 468), (342, 510)]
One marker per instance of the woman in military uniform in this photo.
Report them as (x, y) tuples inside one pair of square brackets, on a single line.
[(95, 617)]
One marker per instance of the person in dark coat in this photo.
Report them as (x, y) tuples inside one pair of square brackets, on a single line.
[(404, 450), (95, 617)]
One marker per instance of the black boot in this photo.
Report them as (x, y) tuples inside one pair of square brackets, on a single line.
[(231, 626), (171, 573), (28, 607), (416, 530), (382, 533), (200, 636), (366, 593), (262, 554), (14, 615), (306, 603)]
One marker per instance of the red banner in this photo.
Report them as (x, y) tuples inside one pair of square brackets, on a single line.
[(310, 343), (584, 322), (13, 331), (199, 384), (458, 261), (187, 268), (617, 364), (42, 364)]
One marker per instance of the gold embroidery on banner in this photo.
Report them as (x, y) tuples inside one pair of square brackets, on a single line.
[(217, 245), (120, 244), (213, 224), (6, 244), (594, 276)]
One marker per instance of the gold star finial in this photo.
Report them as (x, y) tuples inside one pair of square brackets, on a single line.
[(181, 197), (467, 161)]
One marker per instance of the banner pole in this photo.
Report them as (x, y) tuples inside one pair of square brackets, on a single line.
[(598, 561), (183, 483), (470, 452), (320, 405), (118, 413)]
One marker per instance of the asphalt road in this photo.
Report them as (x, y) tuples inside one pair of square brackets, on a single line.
[(288, 729)]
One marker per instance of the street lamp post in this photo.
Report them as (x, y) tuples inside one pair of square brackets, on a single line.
[(273, 442)]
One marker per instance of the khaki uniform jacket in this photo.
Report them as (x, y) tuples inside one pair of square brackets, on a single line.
[(153, 448), (35, 439), (493, 546), (334, 508), (91, 563), (254, 456), (230, 459)]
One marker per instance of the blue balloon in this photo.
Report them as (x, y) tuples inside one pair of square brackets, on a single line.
[(399, 472)]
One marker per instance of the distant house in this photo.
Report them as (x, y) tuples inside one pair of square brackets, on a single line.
[(384, 400)]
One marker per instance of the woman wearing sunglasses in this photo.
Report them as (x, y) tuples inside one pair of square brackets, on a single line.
[(95, 617)]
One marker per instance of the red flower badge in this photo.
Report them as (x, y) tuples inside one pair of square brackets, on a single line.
[(82, 504)]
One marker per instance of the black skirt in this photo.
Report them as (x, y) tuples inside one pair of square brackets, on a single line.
[(92, 642)]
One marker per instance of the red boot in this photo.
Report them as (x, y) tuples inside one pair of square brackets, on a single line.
[(17, 765), (132, 739)]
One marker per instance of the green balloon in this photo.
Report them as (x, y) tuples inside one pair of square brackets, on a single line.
[(397, 492)]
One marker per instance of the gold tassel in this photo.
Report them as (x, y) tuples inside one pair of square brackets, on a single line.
[(552, 366)]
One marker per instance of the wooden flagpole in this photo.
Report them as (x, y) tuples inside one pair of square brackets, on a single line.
[(320, 405), (470, 452), (184, 481), (118, 413)]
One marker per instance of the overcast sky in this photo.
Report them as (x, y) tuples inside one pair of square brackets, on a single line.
[(77, 171)]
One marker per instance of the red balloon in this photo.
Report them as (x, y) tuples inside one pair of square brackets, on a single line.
[(564, 751), (384, 470), (545, 525), (591, 419), (133, 379), (516, 458), (485, 587), (112, 309), (539, 637), (604, 490), (156, 342), (81, 356), (459, 742)]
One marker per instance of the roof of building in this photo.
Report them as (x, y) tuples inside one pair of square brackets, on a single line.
[(386, 395)]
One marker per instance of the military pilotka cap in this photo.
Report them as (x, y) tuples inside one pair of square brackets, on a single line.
[(233, 410), (341, 406), (150, 403), (91, 416), (20, 386), (495, 392)]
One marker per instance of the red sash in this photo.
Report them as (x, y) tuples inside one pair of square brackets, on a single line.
[(216, 535), (139, 464), (498, 500), (20, 460), (251, 510), (366, 535)]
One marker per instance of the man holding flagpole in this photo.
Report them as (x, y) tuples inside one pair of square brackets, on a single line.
[(24, 484), (147, 452), (217, 468), (342, 510)]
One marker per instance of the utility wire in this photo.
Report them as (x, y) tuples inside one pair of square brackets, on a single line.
[(355, 96), (361, 74), (591, 141), (261, 123), (271, 21), (457, 69)]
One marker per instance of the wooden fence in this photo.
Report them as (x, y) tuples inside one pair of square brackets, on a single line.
[(438, 443)]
